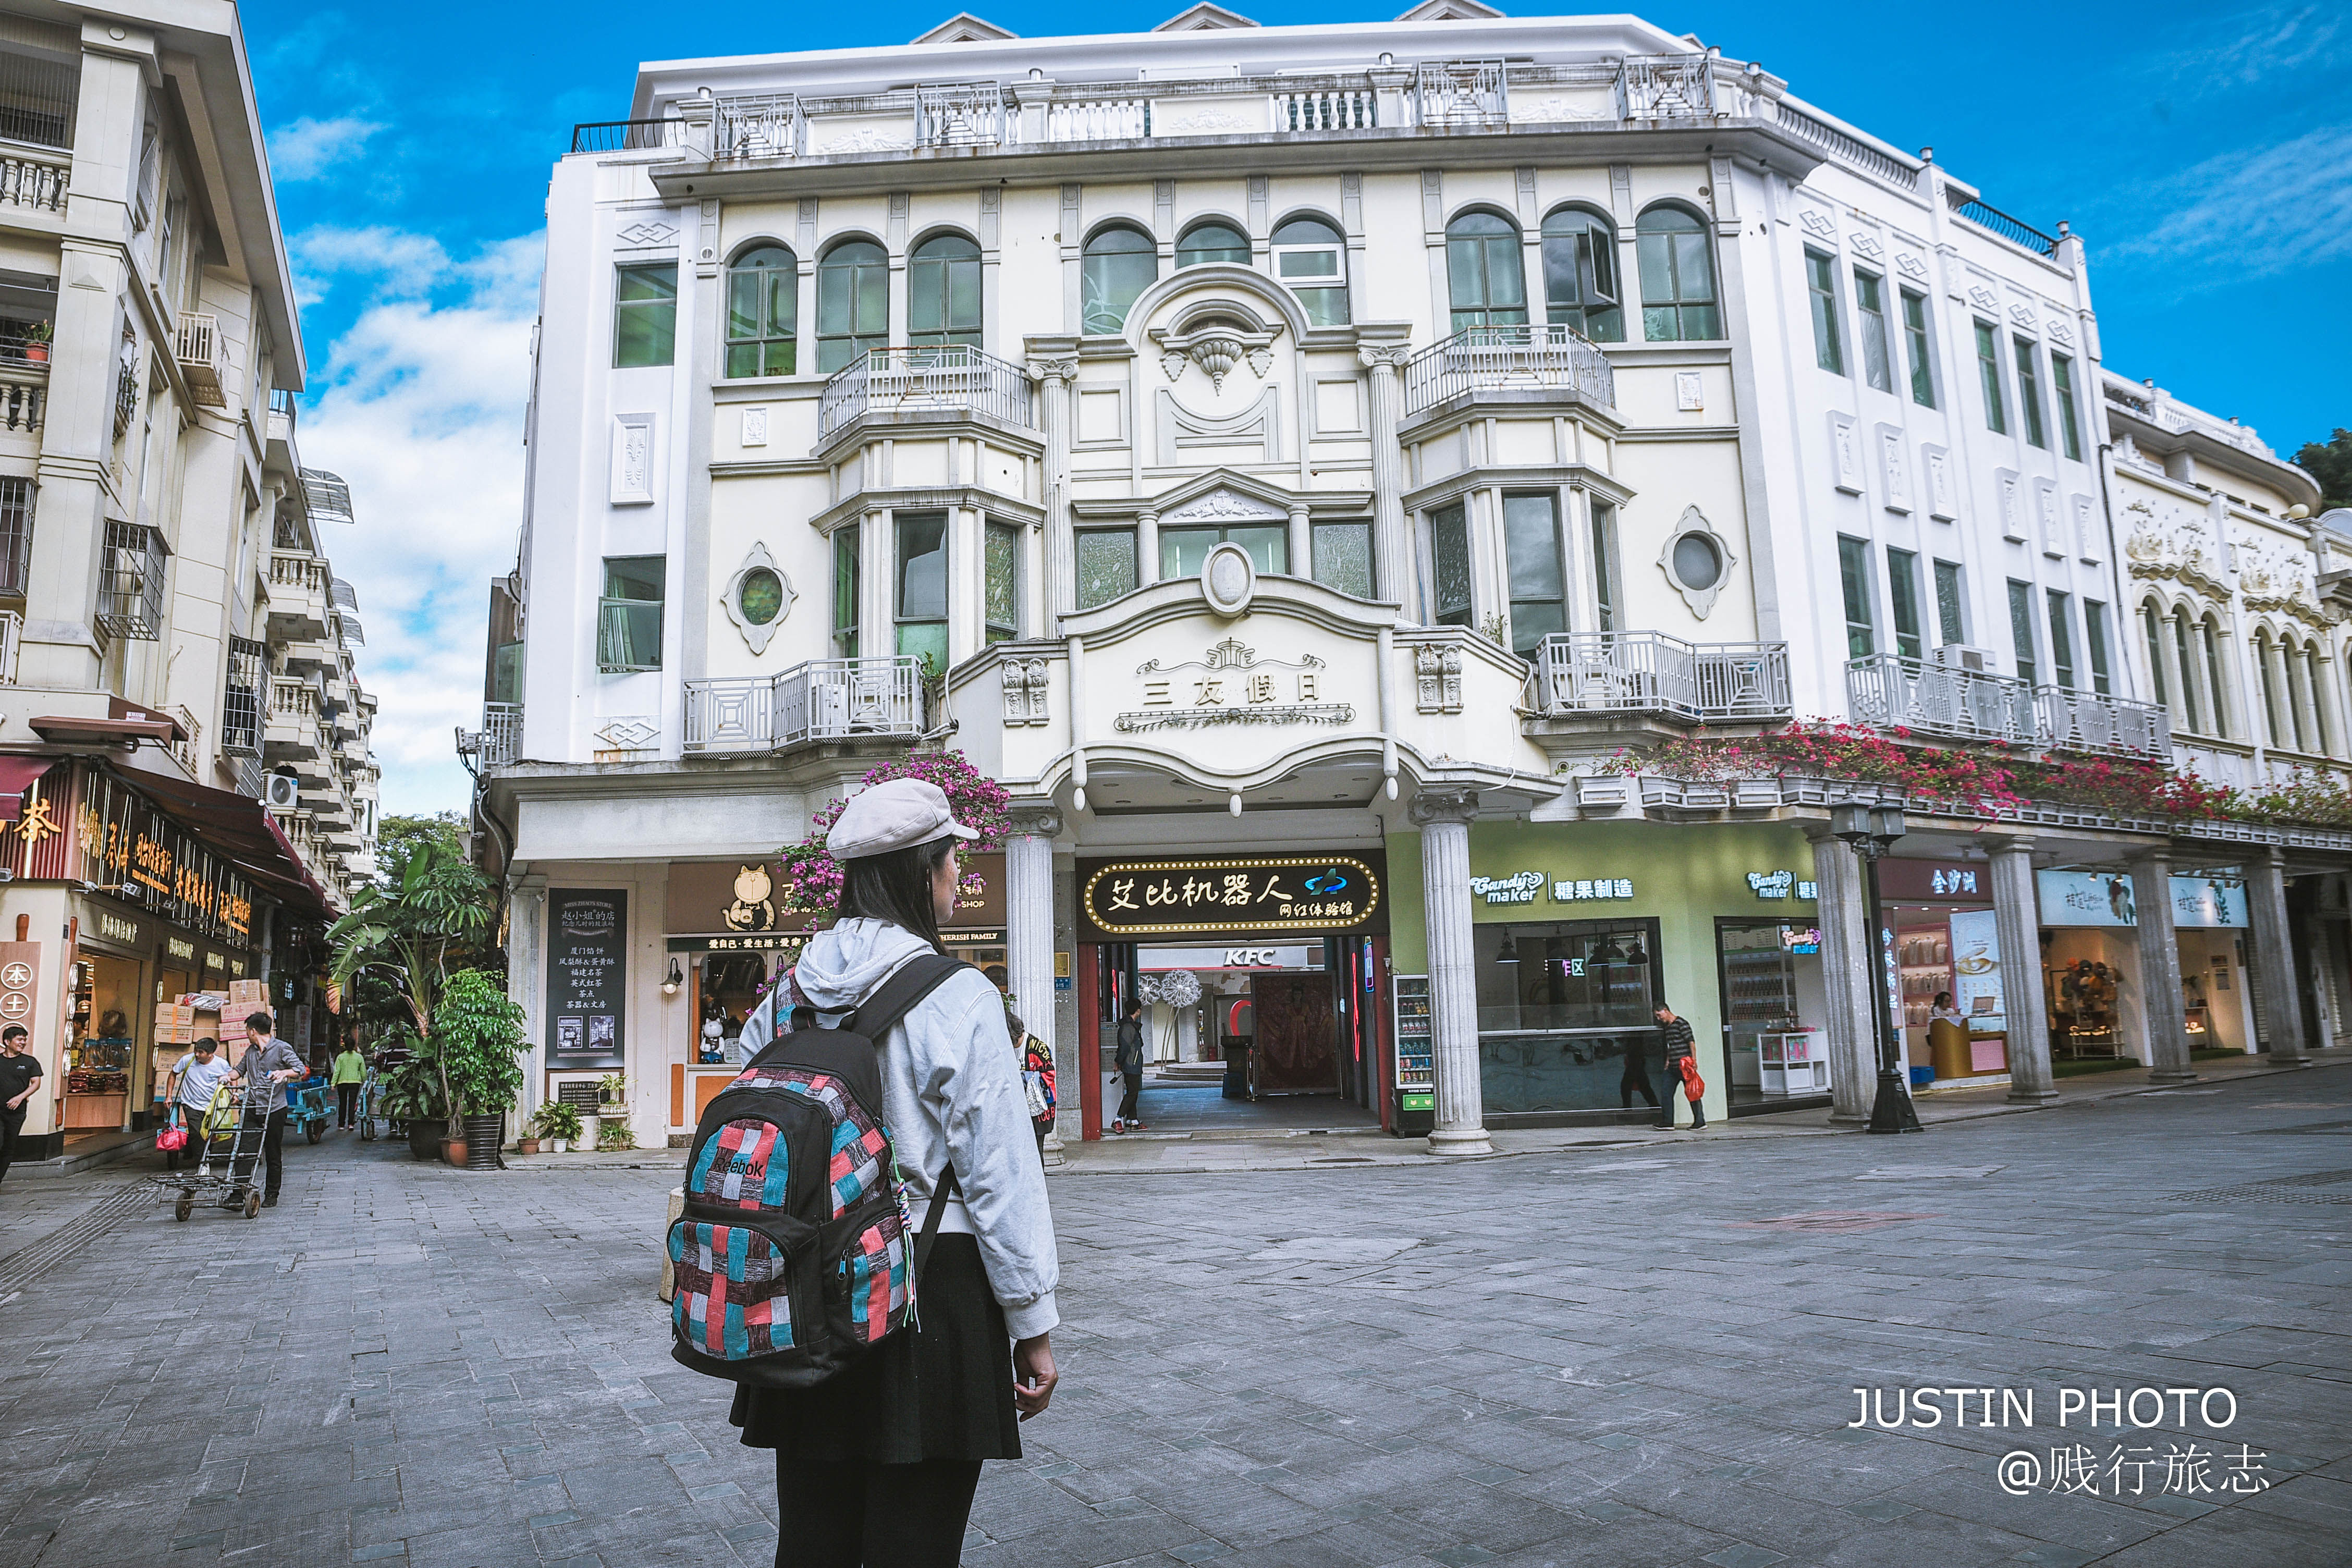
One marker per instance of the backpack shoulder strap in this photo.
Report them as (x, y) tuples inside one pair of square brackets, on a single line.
[(908, 984)]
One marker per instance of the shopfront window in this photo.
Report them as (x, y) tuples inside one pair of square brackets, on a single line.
[(1771, 977), (1571, 975)]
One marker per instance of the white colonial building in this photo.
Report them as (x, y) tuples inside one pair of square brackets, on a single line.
[(1294, 460)]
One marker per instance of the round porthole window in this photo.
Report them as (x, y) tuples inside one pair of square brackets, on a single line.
[(1698, 562), (1228, 579), (760, 596)]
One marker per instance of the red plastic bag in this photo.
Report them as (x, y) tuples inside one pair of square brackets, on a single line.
[(172, 1140), (1694, 1085)]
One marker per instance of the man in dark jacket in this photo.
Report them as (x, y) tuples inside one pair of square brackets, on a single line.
[(269, 1066), (1680, 1044), (1130, 1062)]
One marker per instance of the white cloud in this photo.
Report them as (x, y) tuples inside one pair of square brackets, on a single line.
[(422, 412), (396, 261), (305, 149), (2248, 213)]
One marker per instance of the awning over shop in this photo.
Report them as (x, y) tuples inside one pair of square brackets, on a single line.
[(67, 730), (241, 828), (18, 773)]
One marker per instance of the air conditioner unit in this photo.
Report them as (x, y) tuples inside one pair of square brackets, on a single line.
[(1959, 656), (285, 791)]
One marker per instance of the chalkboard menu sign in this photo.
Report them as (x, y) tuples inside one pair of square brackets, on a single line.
[(587, 976)]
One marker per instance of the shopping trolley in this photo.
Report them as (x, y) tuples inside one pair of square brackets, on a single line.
[(227, 1153)]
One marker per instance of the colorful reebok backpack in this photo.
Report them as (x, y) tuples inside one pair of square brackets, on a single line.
[(792, 1255)]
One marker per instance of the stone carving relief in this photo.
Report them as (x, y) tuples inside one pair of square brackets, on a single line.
[(647, 232), (2060, 332), (1821, 223), (868, 141), (1525, 111), (1026, 682), (1910, 266), (634, 734), (1982, 299), (2022, 315), (2278, 579), (1867, 244), (1216, 344), (2174, 551), (1437, 679), (1231, 685)]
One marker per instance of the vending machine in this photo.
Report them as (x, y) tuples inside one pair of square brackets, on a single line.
[(1416, 1076)]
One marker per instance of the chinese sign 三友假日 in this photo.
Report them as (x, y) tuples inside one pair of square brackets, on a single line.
[(587, 975), (1123, 898)]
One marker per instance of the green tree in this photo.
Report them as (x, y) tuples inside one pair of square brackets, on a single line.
[(393, 952), (398, 837), (479, 1032), (2331, 465)]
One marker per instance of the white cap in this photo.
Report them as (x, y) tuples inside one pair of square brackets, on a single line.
[(897, 814)]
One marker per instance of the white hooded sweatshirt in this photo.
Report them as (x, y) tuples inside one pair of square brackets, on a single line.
[(950, 1090)]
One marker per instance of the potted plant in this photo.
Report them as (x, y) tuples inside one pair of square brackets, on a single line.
[(612, 1089), (612, 1135), (37, 344), (557, 1123), (479, 1032), (413, 1096)]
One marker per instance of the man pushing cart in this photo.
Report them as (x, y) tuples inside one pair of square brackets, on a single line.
[(250, 1110)]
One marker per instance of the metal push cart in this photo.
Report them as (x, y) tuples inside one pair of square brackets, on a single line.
[(310, 1105), (371, 1106), (225, 1163)]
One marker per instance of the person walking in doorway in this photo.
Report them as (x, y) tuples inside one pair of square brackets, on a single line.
[(196, 1077), (1129, 1059), (878, 1465), (1682, 1053), (269, 1065), (350, 1071), (20, 1075)]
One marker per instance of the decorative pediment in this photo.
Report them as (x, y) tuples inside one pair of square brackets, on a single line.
[(1225, 504), (963, 27), (1204, 19), (1216, 343), (2174, 552), (1450, 11)]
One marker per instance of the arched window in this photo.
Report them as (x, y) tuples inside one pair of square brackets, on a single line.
[(1483, 276), (853, 302), (1310, 257), (1119, 263), (2270, 687), (943, 292), (2209, 638), (764, 311), (1679, 303), (2188, 715), (1579, 264), (1208, 242), (2299, 670), (2152, 625)]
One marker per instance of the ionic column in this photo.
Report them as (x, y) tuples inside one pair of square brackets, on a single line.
[(1061, 583), (1393, 558), (1147, 549), (1029, 918), (2159, 968), (1444, 819), (1848, 949), (2282, 998), (2017, 925), (1302, 543)]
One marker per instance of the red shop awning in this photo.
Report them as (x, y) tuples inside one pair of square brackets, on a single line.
[(18, 773)]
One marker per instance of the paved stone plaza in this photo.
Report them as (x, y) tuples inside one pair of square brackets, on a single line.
[(1612, 1356)]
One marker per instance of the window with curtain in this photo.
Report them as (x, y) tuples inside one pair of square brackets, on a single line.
[(1580, 267), (2061, 638), (2062, 392), (2154, 636), (1988, 373), (1854, 586), (1538, 582), (1604, 565), (1449, 559), (1184, 550), (1902, 590), (1820, 289), (2029, 389), (1119, 264), (1205, 243), (645, 315), (1343, 556), (853, 302), (845, 591), (1950, 620), (1311, 257), (1001, 549), (1916, 349), (2208, 637), (2021, 631), (2190, 715), (1484, 277), (943, 292), (921, 589), (629, 615), (1105, 566), (764, 311), (1870, 310), (2094, 639), (1677, 267)]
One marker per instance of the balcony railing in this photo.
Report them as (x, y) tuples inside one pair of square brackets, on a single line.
[(126, 398), (824, 700), (2017, 231), (1665, 87), (1945, 703), (1650, 672), (959, 114), (954, 377), (627, 135), (203, 358), (501, 733), (12, 636), (1493, 359), (1461, 92), (767, 125), (34, 183)]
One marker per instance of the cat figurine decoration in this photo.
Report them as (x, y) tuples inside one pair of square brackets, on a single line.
[(754, 908)]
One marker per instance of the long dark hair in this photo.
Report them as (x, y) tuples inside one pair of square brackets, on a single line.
[(897, 887)]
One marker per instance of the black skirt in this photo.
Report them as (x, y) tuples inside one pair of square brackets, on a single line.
[(943, 1393)]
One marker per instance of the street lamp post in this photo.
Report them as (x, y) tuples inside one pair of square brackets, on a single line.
[(1870, 831)]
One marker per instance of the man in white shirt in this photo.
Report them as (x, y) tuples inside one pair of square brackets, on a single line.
[(194, 1078)]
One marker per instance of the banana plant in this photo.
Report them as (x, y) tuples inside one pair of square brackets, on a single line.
[(406, 933)]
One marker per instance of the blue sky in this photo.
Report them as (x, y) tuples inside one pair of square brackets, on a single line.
[(2205, 155)]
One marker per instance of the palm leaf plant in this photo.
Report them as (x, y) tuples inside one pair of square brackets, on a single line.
[(406, 933)]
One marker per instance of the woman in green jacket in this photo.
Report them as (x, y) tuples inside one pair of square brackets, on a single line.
[(350, 1072)]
